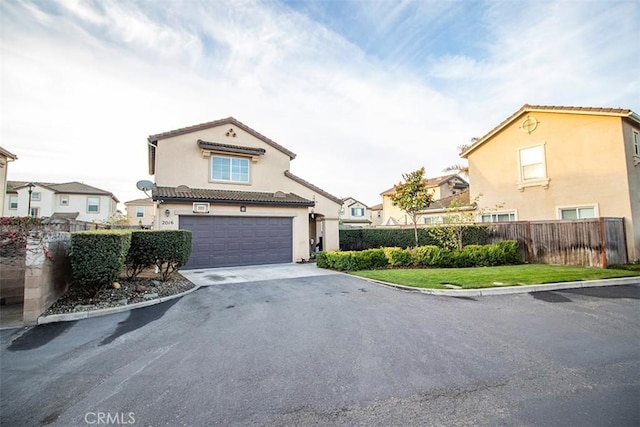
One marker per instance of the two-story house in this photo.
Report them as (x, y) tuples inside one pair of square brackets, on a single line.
[(354, 213), (73, 200), (555, 163), (232, 188), (5, 158), (141, 212), (441, 187)]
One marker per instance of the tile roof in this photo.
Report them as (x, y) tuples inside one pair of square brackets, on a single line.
[(312, 187), (8, 154), (143, 201), (431, 183), (228, 148), (227, 121), (376, 207), (65, 215), (73, 187), (527, 108), (462, 200), (229, 196)]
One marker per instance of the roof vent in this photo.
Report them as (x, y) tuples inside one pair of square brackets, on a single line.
[(279, 194), (182, 189)]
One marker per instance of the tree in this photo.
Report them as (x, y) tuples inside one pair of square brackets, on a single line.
[(413, 196), (459, 168)]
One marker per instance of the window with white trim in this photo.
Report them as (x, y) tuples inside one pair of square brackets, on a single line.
[(139, 211), (433, 220), (64, 200), (636, 143), (13, 202), (532, 164), (93, 204), (357, 211), (498, 217), (36, 196), (35, 212), (583, 212), (229, 169)]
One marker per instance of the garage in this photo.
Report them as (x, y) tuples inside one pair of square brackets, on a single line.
[(225, 241)]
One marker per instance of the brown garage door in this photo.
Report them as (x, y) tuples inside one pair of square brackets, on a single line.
[(224, 241)]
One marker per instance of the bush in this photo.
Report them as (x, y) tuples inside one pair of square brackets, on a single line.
[(141, 253), (503, 253), (170, 250), (368, 238), (97, 257), (398, 257)]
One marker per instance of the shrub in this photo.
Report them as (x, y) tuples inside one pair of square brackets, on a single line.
[(368, 238), (97, 257), (351, 260), (423, 256), (398, 257), (171, 250), (141, 253)]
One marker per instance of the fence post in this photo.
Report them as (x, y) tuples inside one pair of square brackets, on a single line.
[(529, 243), (603, 243)]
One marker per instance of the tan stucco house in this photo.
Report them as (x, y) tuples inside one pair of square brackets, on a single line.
[(375, 214), (354, 214), (232, 187), (141, 212), (5, 157), (550, 163), (441, 187), (73, 200)]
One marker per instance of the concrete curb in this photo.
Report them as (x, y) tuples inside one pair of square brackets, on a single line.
[(67, 317), (505, 290)]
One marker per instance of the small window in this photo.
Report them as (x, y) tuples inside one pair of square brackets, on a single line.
[(64, 200), (357, 211), (433, 220), (532, 164), (499, 217), (231, 169), (578, 213), (35, 212), (139, 211), (36, 196), (13, 202), (93, 204), (636, 143)]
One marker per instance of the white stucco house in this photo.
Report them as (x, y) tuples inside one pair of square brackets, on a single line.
[(232, 188)]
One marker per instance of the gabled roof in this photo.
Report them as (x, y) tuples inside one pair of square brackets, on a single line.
[(229, 196), (231, 121), (8, 154), (377, 207), (433, 183), (462, 201), (228, 148), (312, 187), (141, 202), (355, 201), (526, 108), (73, 187)]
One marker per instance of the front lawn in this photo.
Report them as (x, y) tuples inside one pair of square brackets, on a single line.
[(487, 277)]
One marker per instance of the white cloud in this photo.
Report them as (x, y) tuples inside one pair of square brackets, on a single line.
[(82, 88)]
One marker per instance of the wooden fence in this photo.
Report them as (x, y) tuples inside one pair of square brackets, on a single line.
[(597, 242)]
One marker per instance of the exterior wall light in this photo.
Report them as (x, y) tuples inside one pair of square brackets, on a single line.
[(167, 212)]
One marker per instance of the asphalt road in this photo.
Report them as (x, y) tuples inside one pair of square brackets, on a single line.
[(334, 350)]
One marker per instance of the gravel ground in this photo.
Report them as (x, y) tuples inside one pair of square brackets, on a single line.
[(130, 292)]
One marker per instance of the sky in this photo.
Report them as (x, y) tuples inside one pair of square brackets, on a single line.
[(362, 91)]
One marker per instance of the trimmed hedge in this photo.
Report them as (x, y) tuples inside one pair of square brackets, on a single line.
[(166, 249), (97, 257), (369, 238), (502, 253)]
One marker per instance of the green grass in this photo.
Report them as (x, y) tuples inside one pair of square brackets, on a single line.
[(485, 277)]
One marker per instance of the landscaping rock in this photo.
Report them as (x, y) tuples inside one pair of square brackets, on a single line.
[(155, 283), (141, 288), (150, 296), (115, 285)]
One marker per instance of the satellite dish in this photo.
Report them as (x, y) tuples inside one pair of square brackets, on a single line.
[(144, 185)]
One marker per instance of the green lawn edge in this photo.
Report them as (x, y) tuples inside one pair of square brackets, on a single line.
[(490, 277)]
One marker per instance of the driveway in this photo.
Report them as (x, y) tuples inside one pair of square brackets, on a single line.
[(335, 350)]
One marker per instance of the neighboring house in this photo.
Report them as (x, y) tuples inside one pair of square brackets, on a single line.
[(550, 163), (140, 212), (375, 214), (72, 200), (441, 187), (5, 158), (231, 187), (354, 213), (456, 208)]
